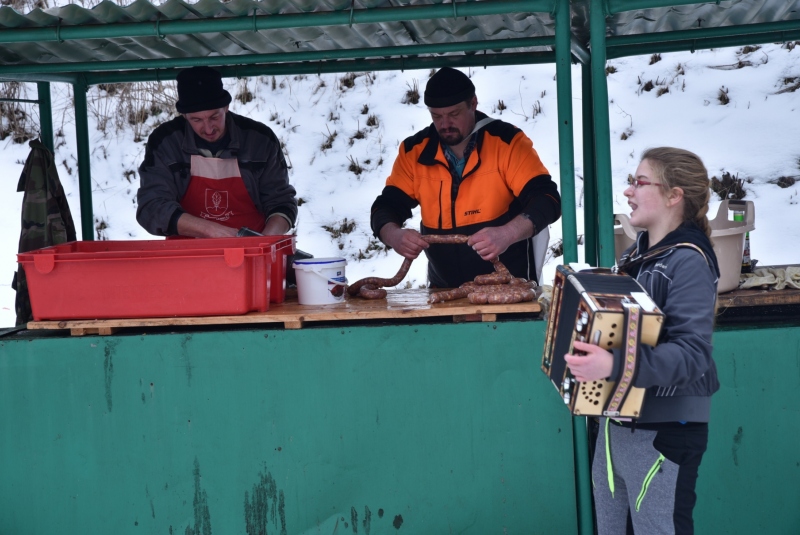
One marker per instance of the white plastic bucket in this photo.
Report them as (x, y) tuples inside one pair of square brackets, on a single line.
[(727, 238), (320, 281)]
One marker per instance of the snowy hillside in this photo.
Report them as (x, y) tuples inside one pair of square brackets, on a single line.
[(737, 108)]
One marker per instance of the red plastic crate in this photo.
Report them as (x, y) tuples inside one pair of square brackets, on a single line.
[(156, 278)]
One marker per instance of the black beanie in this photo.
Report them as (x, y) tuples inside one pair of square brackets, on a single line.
[(200, 89), (447, 88)]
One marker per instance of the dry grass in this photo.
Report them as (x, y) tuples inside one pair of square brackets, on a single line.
[(348, 81), (360, 134), (354, 166), (728, 187), (329, 139), (16, 120), (722, 96), (412, 94), (337, 230)]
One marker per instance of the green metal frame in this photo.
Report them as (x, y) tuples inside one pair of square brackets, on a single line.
[(598, 190), (45, 115), (701, 38), (278, 59), (45, 112), (602, 142)]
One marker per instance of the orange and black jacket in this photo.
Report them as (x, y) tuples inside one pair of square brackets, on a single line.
[(503, 178)]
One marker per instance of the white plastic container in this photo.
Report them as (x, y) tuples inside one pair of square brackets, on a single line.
[(727, 236), (320, 281)]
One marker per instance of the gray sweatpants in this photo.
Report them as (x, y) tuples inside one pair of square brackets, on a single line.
[(652, 479)]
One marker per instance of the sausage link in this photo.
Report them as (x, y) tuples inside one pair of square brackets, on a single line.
[(369, 287), (512, 297), (499, 267), (371, 291), (494, 278), (502, 293), (448, 295), (482, 290), (445, 238), (355, 288)]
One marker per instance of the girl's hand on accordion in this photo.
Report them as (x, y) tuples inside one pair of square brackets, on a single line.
[(595, 364)]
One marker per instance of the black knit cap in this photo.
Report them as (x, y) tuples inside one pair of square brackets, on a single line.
[(448, 87), (200, 89)]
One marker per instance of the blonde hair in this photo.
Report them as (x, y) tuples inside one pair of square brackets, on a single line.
[(678, 168)]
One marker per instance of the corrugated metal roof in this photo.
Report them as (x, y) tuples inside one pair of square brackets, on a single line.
[(332, 30), (304, 37)]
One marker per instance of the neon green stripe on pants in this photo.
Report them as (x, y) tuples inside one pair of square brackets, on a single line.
[(646, 483), (609, 468)]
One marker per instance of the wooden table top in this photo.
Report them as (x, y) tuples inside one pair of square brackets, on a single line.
[(399, 304)]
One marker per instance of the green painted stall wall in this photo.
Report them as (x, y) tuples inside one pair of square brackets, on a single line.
[(750, 476), (447, 428), (420, 429)]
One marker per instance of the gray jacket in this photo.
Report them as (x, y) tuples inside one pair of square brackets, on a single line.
[(679, 373), (165, 176)]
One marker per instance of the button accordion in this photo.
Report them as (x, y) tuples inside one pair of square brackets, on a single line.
[(609, 310)]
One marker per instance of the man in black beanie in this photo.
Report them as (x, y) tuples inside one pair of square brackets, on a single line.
[(470, 174), (209, 172)]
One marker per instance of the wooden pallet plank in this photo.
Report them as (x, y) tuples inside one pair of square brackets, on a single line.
[(399, 304)]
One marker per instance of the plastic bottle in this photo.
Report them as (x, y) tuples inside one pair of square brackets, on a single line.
[(747, 265), (738, 215)]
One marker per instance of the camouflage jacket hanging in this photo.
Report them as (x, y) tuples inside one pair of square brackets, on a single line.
[(46, 218)]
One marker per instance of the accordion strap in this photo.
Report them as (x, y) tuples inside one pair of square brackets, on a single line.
[(632, 315), (633, 259)]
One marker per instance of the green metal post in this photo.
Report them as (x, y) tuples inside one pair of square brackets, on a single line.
[(565, 142), (589, 176), (84, 173), (566, 156), (605, 223), (45, 115)]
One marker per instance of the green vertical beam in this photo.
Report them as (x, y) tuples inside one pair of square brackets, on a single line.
[(45, 115), (589, 175), (566, 155), (602, 145), (84, 172), (565, 141)]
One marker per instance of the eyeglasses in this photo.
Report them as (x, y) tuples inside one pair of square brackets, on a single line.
[(638, 183)]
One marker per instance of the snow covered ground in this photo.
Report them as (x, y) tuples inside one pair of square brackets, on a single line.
[(735, 107)]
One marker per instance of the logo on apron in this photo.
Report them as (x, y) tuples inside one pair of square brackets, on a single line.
[(216, 205)]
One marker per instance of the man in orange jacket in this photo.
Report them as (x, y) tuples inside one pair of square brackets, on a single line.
[(470, 174)]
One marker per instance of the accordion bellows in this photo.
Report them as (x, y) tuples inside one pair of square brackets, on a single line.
[(609, 310)]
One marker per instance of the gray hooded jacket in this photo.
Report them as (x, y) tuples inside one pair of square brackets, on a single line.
[(165, 171), (679, 373)]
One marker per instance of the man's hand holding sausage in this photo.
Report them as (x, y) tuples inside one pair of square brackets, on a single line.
[(491, 242), (407, 242)]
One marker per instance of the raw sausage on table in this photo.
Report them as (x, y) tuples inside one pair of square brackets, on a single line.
[(493, 288), (371, 287)]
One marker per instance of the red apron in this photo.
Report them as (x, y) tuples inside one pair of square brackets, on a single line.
[(217, 192)]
